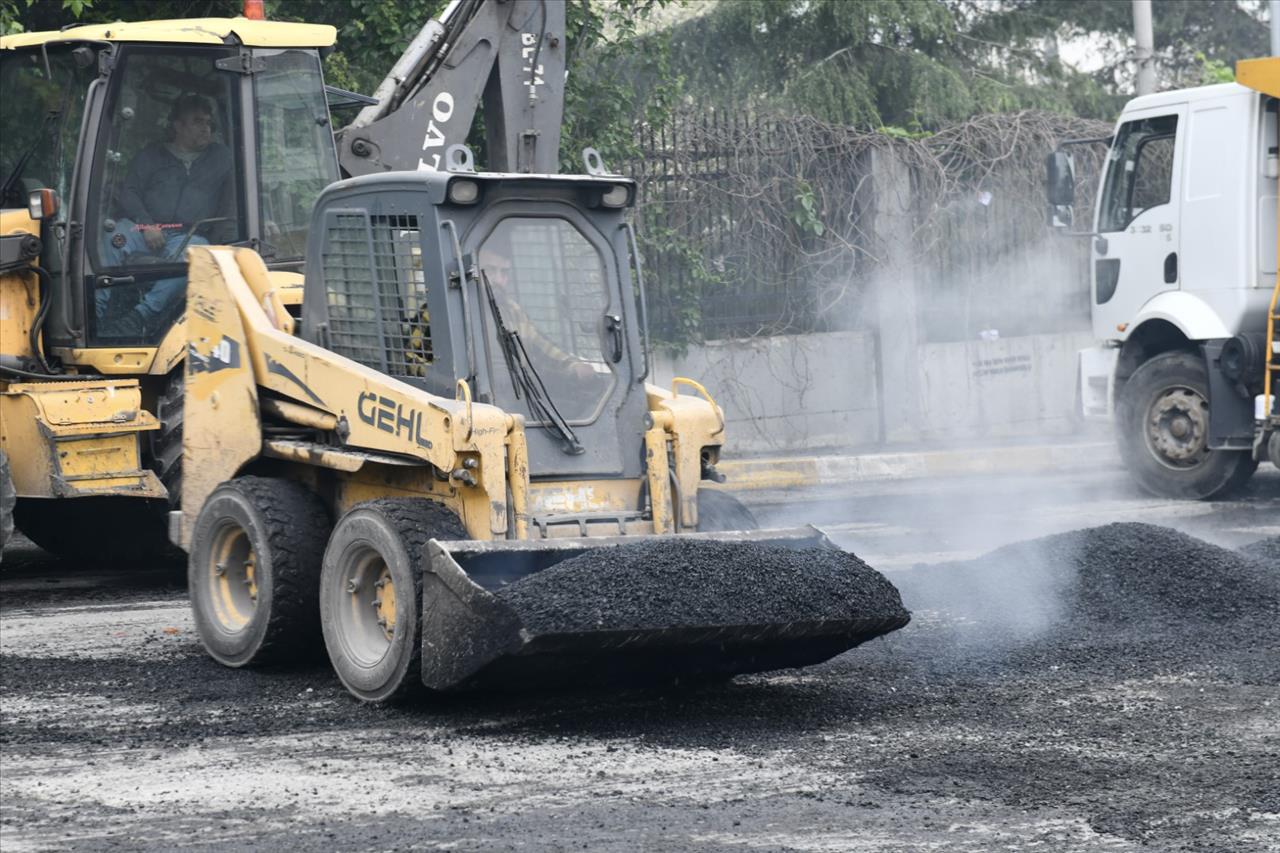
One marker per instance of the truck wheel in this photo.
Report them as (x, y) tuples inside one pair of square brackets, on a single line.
[(8, 500), (721, 511), (1162, 418), (371, 594), (254, 570)]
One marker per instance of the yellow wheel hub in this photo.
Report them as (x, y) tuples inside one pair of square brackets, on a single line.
[(384, 602), (233, 578)]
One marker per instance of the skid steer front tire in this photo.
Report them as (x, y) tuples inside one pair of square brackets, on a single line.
[(371, 594), (1162, 424), (253, 571)]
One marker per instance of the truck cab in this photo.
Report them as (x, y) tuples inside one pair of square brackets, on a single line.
[(1184, 251)]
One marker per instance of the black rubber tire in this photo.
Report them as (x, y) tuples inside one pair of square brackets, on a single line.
[(718, 511), (1216, 474), (164, 445), (8, 501), (97, 530), (390, 535), (286, 527)]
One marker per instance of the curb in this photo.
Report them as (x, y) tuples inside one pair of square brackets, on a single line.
[(787, 472)]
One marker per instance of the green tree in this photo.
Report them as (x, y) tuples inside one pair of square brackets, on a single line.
[(601, 103)]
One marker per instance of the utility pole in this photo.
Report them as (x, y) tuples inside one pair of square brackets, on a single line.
[(1145, 54)]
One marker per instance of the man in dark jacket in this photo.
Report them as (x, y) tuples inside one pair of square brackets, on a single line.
[(172, 187)]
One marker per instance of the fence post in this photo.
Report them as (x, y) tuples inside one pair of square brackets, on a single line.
[(894, 298)]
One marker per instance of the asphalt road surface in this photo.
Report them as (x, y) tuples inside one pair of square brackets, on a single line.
[(973, 728)]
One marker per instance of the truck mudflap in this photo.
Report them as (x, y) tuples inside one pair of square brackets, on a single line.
[(472, 638)]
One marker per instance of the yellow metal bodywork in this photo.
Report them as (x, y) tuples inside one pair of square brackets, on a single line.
[(691, 426), (1261, 75), (19, 292), (187, 31), (234, 346), (77, 438)]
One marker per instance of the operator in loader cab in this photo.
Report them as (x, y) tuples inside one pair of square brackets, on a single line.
[(173, 187)]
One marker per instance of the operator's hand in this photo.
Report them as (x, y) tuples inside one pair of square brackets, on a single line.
[(153, 236), (582, 371)]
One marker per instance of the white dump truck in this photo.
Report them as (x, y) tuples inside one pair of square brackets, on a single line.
[(1184, 290)]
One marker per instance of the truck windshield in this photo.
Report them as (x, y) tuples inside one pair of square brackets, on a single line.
[(551, 287), (296, 155), (41, 117)]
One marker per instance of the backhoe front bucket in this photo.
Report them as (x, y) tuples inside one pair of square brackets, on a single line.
[(474, 638)]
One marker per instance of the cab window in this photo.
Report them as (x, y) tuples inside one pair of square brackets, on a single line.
[(166, 176), (296, 154), (1139, 171)]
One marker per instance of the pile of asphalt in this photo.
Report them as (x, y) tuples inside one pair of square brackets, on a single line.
[(689, 583), (1121, 582), (1264, 550)]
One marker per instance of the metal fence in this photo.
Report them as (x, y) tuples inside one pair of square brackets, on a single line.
[(757, 225)]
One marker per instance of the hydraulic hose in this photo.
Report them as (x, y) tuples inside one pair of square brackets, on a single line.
[(45, 291)]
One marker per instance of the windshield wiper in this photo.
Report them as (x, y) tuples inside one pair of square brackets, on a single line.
[(11, 179), (525, 378)]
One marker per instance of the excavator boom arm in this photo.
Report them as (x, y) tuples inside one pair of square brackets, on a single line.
[(505, 54)]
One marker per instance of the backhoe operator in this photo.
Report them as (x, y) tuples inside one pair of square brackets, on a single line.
[(171, 188)]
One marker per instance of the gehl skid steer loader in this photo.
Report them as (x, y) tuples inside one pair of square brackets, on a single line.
[(449, 405)]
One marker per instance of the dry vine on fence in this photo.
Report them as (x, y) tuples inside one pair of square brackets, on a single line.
[(764, 225)]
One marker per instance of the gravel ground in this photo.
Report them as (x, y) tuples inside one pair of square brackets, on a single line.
[(1111, 689)]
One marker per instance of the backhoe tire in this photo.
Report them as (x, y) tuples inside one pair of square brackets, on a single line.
[(371, 594), (1162, 423), (254, 571), (718, 511), (8, 500), (116, 531), (164, 445)]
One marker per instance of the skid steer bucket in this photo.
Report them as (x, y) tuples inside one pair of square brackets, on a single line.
[(476, 634)]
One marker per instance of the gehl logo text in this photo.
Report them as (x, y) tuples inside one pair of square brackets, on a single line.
[(389, 416)]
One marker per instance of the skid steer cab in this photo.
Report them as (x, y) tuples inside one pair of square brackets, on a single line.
[(460, 405)]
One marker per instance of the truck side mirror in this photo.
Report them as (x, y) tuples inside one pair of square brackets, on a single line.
[(1060, 179), (1060, 187)]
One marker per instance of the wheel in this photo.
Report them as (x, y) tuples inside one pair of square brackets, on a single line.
[(721, 511), (1162, 418), (254, 568), (98, 529), (371, 594), (164, 445), (8, 500)]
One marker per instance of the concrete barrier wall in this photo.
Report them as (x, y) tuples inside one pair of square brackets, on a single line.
[(818, 392), (790, 392), (1012, 387)]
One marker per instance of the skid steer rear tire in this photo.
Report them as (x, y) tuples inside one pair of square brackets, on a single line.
[(371, 594), (1162, 422), (8, 500), (253, 573), (718, 511)]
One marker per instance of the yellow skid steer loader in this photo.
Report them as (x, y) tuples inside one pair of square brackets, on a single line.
[(452, 462)]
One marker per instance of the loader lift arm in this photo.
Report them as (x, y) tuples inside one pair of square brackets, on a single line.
[(510, 53)]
